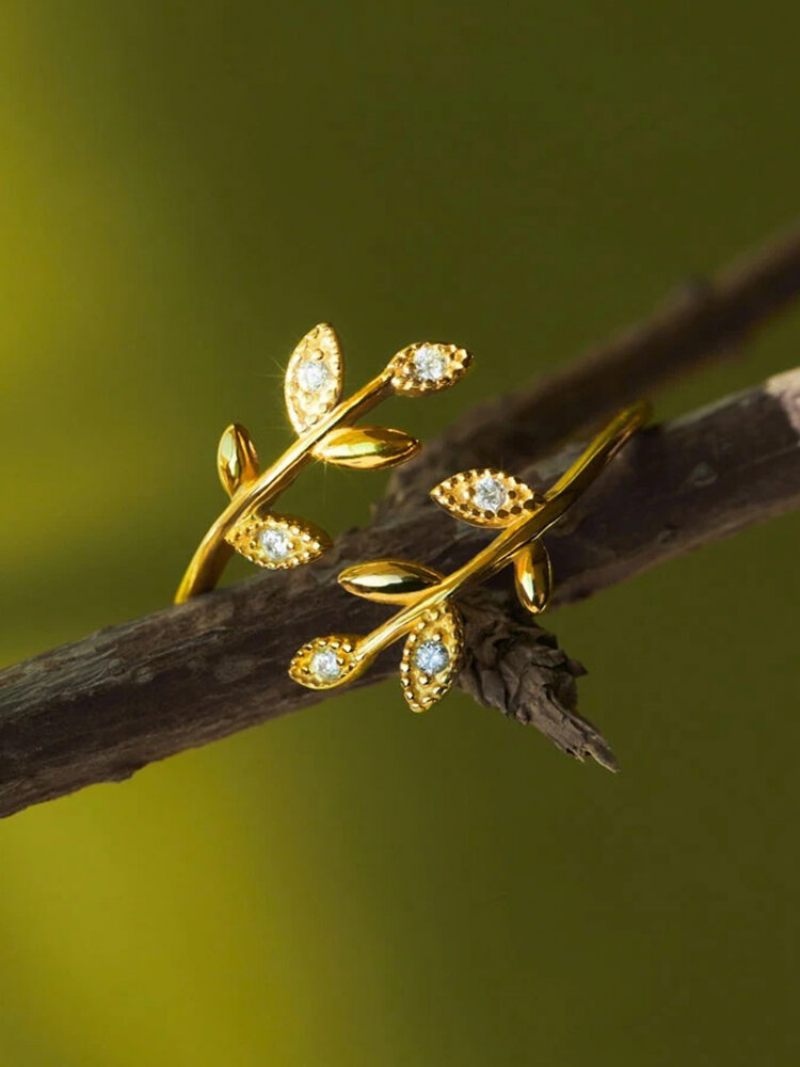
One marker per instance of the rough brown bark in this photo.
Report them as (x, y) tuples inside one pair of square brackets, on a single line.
[(703, 321), (100, 709)]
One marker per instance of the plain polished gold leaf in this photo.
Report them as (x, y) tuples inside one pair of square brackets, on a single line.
[(327, 662), (366, 447), (237, 460), (432, 657), (313, 382), (278, 542), (425, 367), (388, 581), (485, 497), (533, 577)]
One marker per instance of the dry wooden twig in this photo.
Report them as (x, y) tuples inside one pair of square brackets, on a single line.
[(703, 321), (100, 709)]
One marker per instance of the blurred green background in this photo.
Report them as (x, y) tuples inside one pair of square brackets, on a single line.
[(186, 189)]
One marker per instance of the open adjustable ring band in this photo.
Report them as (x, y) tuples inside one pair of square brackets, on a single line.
[(428, 619), (324, 424)]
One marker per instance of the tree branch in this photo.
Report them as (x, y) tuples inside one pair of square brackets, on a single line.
[(102, 708), (705, 320)]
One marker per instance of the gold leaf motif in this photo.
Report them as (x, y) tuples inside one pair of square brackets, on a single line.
[(432, 657), (326, 662), (426, 367), (237, 460), (277, 542), (533, 577), (366, 447), (485, 497), (313, 382), (388, 581)]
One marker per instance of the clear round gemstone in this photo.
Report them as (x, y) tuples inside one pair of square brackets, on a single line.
[(325, 666), (429, 364), (275, 544), (432, 656), (312, 375), (490, 494)]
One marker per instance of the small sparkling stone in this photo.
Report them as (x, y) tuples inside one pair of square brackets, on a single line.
[(490, 494), (312, 375), (275, 544), (325, 665), (432, 656), (429, 364)]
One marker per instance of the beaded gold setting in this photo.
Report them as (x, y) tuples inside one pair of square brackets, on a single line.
[(278, 542), (313, 382), (432, 657), (423, 368), (327, 661), (485, 497)]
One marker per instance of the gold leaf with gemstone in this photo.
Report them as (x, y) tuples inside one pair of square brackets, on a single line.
[(366, 447), (426, 367), (277, 542), (432, 657), (326, 662), (314, 376), (485, 497), (388, 581)]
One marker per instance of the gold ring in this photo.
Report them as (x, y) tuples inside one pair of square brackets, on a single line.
[(324, 424), (428, 619)]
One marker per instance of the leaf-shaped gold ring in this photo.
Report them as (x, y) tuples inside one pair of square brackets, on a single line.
[(428, 618), (325, 424)]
